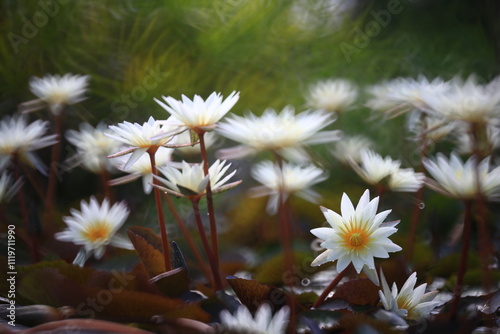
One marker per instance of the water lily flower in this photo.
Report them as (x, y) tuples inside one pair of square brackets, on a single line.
[(8, 188), (284, 133), (410, 303), (95, 227), (19, 138), (279, 182), (332, 95), (356, 236), (349, 148), (59, 91), (264, 322)]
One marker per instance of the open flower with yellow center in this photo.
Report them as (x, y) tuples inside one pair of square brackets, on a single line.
[(191, 181), (140, 138), (264, 322), (284, 133), (95, 227), (410, 303), (280, 182), (19, 138), (460, 180), (59, 91), (357, 236), (332, 95), (92, 147), (198, 113)]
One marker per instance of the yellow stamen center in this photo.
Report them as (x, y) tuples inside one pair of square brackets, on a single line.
[(98, 232), (356, 239)]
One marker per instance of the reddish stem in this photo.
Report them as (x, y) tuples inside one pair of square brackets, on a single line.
[(187, 235), (210, 203), (462, 268), (206, 246), (161, 220), (52, 185), (106, 189), (331, 286)]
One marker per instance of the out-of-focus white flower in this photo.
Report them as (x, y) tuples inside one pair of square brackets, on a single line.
[(332, 95), (458, 179), (284, 133), (8, 188), (142, 168), (264, 322), (401, 95), (488, 141), (198, 113), (185, 138), (406, 180), (357, 236), (373, 168), (95, 227), (466, 101), (435, 128), (93, 147), (280, 182), (19, 138), (59, 91), (140, 138), (191, 181), (349, 148), (410, 303)]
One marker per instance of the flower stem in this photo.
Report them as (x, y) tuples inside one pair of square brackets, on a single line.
[(106, 189), (187, 236), (463, 257), (210, 203), (161, 220), (415, 217), (52, 183), (206, 246), (331, 286)]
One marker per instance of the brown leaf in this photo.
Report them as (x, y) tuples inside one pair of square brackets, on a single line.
[(148, 246), (173, 283), (252, 294), (359, 291)]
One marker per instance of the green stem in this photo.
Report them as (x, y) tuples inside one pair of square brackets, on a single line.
[(161, 219), (206, 246)]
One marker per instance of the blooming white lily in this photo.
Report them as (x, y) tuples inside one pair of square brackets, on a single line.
[(458, 179), (332, 95), (357, 236), (280, 182), (19, 138), (95, 227), (264, 322), (373, 168), (191, 181), (284, 133), (410, 303), (349, 148), (59, 91)]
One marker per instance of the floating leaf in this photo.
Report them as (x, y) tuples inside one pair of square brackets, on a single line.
[(251, 293), (271, 271), (149, 248)]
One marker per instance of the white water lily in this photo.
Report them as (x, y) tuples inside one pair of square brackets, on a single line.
[(356, 236), (191, 181), (373, 168), (458, 179), (198, 113), (349, 148), (140, 138), (93, 147), (279, 182), (94, 227), (58, 91), (284, 133), (410, 303), (406, 180), (19, 138), (332, 95), (141, 168), (185, 138), (264, 322)]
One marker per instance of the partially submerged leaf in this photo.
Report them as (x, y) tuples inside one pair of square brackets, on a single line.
[(148, 246), (252, 294)]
